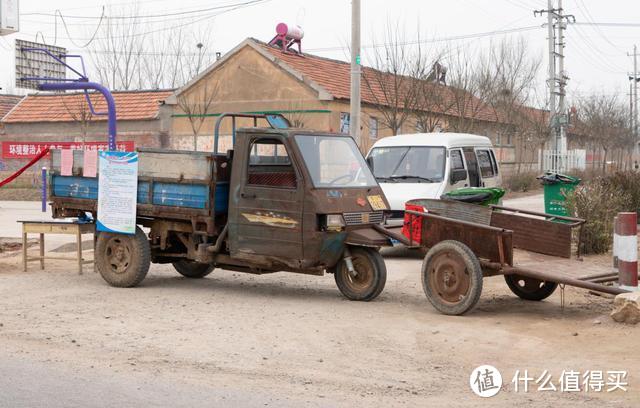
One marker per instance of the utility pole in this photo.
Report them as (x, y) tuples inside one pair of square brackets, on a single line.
[(354, 117), (557, 82), (634, 98)]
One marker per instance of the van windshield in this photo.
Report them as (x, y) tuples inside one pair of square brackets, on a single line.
[(404, 164), (334, 162)]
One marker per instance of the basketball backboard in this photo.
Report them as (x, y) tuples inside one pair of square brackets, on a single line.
[(32, 63)]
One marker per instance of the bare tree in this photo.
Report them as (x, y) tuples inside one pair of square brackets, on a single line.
[(296, 114), (130, 52), (392, 82), (196, 104), (77, 107), (605, 123)]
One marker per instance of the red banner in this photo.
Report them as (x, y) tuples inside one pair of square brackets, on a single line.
[(29, 150)]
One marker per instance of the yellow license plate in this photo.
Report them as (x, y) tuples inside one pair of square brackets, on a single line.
[(377, 203)]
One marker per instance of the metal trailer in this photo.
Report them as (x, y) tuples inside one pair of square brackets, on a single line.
[(465, 243)]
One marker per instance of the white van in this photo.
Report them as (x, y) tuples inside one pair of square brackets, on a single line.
[(427, 165)]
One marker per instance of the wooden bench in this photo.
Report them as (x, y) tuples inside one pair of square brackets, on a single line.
[(51, 227)]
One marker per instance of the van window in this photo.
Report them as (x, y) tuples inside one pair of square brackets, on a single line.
[(494, 161), (456, 160), (485, 163)]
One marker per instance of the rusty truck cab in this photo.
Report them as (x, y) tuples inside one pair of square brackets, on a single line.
[(300, 200)]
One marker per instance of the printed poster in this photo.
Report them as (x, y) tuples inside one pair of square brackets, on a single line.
[(117, 192)]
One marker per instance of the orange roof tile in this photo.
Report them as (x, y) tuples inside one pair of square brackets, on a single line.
[(334, 76), (130, 105), (7, 102)]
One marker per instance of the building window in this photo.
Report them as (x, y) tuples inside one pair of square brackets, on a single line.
[(345, 118), (373, 127)]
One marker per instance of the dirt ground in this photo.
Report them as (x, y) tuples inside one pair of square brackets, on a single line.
[(292, 340)]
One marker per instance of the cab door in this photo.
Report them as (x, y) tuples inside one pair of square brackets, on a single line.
[(265, 215)]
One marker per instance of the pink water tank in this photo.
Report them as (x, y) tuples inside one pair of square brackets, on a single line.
[(291, 32)]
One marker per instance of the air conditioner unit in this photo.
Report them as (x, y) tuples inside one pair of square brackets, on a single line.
[(9, 17)]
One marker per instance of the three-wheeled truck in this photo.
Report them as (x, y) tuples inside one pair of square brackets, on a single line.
[(281, 200)]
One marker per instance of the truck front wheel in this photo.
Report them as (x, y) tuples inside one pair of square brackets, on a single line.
[(123, 260), (367, 280), (192, 269)]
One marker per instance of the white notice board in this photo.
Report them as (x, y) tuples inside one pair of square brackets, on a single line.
[(117, 192)]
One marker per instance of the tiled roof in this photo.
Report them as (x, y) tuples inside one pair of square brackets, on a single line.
[(334, 76), (130, 105), (7, 102)]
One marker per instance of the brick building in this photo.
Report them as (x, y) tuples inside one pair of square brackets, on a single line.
[(40, 120), (313, 92)]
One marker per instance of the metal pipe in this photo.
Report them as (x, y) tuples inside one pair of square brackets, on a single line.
[(44, 189), (398, 237), (82, 85), (216, 247), (550, 277), (597, 276), (558, 217)]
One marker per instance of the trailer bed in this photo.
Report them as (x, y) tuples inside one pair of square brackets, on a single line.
[(178, 185)]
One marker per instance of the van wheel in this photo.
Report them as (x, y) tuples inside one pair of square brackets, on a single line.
[(192, 269), (370, 275), (123, 260)]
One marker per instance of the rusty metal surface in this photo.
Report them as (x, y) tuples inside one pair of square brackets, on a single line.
[(448, 278), (553, 277), (455, 209), (367, 237), (536, 234), (494, 244)]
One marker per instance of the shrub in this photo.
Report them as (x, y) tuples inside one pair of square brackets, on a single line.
[(522, 182), (598, 202), (629, 182)]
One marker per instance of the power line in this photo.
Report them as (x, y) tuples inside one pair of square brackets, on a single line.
[(582, 6), (173, 27), (204, 10), (438, 39), (66, 29)]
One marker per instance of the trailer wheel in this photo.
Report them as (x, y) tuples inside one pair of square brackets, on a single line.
[(452, 277), (123, 260), (192, 269), (370, 278), (529, 288)]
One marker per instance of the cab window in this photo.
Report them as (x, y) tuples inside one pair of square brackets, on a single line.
[(270, 165), (485, 163)]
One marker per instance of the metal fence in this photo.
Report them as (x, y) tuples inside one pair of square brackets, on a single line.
[(560, 162)]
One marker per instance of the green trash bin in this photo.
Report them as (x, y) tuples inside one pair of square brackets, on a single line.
[(556, 187), (476, 195)]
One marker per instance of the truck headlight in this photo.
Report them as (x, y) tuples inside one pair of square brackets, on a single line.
[(332, 222)]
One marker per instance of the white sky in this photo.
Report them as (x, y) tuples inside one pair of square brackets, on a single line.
[(596, 56)]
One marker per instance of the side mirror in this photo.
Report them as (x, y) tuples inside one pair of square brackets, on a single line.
[(457, 175)]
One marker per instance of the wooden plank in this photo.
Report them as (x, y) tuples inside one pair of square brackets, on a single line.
[(457, 210), (535, 234), (169, 164), (488, 243)]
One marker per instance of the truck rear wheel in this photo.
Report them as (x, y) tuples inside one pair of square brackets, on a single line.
[(123, 260), (192, 269), (452, 277), (370, 275), (530, 288)]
